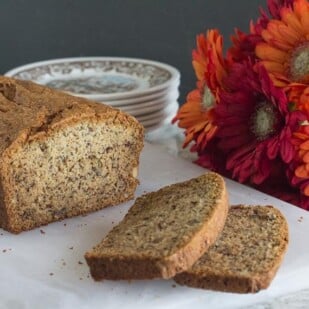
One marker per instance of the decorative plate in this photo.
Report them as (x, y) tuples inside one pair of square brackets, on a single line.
[(170, 93), (103, 78)]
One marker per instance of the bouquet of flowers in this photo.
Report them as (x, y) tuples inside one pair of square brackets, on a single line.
[(248, 117)]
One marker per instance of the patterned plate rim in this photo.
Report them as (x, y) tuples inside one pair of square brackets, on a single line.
[(174, 74)]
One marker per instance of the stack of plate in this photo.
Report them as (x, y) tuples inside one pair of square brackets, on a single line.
[(145, 89)]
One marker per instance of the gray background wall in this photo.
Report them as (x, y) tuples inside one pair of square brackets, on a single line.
[(163, 30)]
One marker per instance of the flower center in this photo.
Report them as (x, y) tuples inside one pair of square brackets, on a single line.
[(299, 68), (264, 121), (208, 100)]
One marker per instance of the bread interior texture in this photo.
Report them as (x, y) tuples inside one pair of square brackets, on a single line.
[(81, 168)]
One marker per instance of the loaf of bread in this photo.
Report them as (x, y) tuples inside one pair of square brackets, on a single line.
[(164, 232), (61, 156), (247, 254)]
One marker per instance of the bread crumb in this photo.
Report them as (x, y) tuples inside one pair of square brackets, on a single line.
[(80, 263), (51, 274), (71, 248), (4, 250), (42, 232), (64, 224), (300, 219)]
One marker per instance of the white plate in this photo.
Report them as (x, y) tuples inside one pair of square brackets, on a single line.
[(103, 78), (170, 93), (31, 257), (160, 121), (148, 109), (146, 105), (170, 109)]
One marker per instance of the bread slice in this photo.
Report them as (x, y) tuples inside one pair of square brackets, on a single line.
[(164, 232), (61, 156), (247, 254)]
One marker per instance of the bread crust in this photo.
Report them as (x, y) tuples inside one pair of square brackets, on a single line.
[(138, 266), (29, 113), (218, 280)]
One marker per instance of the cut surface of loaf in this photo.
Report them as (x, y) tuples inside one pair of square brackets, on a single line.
[(61, 156), (164, 232), (247, 254)]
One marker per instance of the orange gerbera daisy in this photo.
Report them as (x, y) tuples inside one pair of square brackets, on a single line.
[(196, 115), (285, 49)]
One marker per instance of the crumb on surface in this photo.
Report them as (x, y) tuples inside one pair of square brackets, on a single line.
[(42, 231), (71, 248), (51, 274), (80, 263)]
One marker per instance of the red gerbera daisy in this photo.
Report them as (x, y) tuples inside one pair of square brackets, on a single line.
[(255, 127)]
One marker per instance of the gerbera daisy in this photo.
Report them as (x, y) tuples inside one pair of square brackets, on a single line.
[(255, 127), (285, 50), (196, 115)]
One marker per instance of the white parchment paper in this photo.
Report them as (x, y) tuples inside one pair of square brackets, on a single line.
[(45, 268)]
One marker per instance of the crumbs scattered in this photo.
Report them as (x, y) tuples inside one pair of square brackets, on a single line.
[(64, 224), (71, 248), (63, 262), (300, 219), (42, 231), (173, 285), (80, 263), (51, 274)]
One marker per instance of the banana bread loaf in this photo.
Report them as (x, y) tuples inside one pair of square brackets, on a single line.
[(61, 156), (247, 254), (164, 232)]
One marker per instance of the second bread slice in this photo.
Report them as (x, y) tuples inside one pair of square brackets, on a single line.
[(247, 254), (164, 232)]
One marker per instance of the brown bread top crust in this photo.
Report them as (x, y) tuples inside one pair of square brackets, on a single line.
[(164, 232), (28, 111), (246, 256)]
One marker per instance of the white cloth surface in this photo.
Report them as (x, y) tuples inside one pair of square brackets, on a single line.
[(45, 267)]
